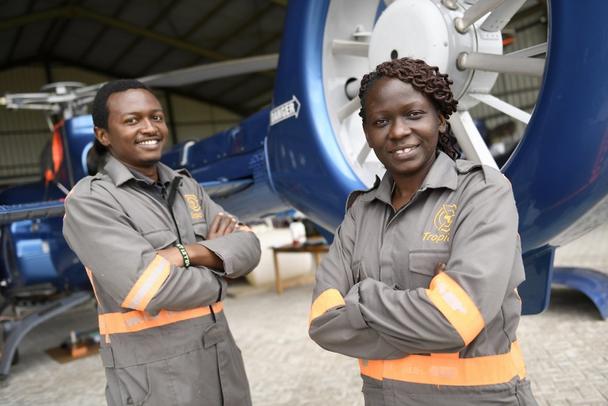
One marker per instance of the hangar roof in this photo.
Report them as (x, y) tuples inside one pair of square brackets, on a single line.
[(136, 38)]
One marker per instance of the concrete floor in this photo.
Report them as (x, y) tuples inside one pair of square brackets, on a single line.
[(566, 350)]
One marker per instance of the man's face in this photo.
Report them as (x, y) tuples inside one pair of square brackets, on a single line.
[(137, 130), (402, 127)]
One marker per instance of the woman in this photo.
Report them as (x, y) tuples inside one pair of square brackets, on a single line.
[(420, 282)]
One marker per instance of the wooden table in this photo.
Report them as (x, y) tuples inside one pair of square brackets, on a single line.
[(315, 249)]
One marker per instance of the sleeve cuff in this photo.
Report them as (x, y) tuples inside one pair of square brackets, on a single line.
[(239, 251), (219, 248), (353, 312)]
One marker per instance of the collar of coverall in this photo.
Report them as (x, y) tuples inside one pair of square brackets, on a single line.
[(120, 173), (443, 174)]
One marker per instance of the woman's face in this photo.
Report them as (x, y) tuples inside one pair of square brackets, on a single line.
[(402, 127)]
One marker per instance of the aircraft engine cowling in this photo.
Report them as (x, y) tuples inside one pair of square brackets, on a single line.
[(558, 171), (317, 152)]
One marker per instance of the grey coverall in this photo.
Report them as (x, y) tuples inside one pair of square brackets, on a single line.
[(165, 339), (421, 338)]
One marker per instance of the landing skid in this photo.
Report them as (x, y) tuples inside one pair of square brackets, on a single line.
[(16, 330), (592, 283)]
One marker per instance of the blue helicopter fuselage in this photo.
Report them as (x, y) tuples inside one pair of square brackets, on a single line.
[(559, 171)]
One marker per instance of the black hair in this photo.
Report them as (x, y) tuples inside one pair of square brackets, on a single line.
[(100, 104), (428, 81)]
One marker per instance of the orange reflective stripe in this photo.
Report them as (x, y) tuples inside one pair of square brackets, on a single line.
[(90, 275), (148, 284), (456, 305), (130, 322), (325, 301), (518, 359), (372, 368), (439, 369)]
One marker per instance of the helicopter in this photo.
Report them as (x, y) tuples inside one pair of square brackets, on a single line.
[(307, 150)]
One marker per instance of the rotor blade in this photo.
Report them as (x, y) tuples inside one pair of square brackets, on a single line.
[(353, 48), (501, 63), (503, 106), (475, 12), (349, 108), (89, 90), (17, 212), (498, 19), (18, 100), (34, 106), (212, 71), (534, 50), (470, 140), (38, 97), (180, 77), (363, 154)]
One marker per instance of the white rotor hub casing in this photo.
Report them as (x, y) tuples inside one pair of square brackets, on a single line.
[(422, 29), (413, 29)]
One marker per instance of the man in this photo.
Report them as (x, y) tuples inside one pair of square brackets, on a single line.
[(157, 250)]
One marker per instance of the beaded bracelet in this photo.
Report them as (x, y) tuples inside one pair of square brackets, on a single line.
[(182, 250)]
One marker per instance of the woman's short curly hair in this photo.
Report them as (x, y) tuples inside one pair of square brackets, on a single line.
[(428, 81)]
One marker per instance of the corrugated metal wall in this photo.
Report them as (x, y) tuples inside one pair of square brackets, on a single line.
[(24, 134)]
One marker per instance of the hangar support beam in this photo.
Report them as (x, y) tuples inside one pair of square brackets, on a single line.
[(82, 12), (136, 41), (195, 27), (252, 20), (17, 38), (102, 31)]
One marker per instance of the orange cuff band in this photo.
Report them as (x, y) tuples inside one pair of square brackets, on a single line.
[(456, 305), (328, 299)]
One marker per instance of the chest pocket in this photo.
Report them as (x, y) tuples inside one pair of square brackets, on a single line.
[(422, 266), (200, 230), (160, 239)]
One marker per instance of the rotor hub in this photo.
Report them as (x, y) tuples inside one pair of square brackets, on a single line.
[(410, 28), (62, 87), (425, 29)]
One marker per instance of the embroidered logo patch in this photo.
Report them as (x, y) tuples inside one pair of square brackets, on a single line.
[(444, 217), (195, 208), (442, 221)]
